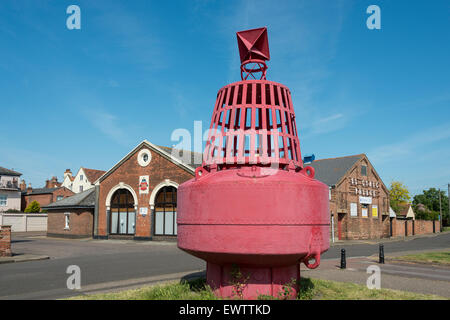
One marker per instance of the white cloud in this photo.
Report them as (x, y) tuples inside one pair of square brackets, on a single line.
[(108, 124), (412, 145)]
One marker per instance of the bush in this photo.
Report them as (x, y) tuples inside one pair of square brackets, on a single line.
[(33, 207)]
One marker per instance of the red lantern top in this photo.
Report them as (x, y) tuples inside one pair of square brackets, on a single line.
[(253, 121), (254, 51)]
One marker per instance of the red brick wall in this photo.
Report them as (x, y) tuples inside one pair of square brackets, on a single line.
[(80, 223), (5, 241), (158, 170), (420, 227)]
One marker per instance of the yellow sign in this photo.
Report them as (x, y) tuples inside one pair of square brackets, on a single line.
[(374, 211)]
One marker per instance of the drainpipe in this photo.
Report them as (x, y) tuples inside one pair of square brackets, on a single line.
[(95, 233)]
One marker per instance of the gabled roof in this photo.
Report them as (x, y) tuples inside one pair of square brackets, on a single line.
[(404, 208), (85, 199), (193, 155), (92, 174), (330, 171), (165, 152), (8, 172)]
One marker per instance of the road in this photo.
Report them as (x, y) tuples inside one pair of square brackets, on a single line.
[(121, 264)]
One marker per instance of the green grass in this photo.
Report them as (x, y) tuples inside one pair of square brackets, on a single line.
[(445, 229), (442, 258), (310, 289)]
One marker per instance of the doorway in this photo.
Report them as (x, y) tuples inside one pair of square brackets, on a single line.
[(340, 231)]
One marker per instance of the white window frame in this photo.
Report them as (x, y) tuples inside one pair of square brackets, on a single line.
[(353, 209), (66, 220)]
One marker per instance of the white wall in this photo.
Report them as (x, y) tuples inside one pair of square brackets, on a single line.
[(77, 182), (13, 200), (67, 183), (23, 222)]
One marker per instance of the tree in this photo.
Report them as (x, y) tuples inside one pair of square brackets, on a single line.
[(33, 207), (398, 194), (430, 199)]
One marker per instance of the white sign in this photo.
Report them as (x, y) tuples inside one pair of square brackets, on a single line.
[(364, 212), (143, 211), (365, 200)]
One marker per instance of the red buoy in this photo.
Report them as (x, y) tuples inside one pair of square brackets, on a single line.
[(253, 212)]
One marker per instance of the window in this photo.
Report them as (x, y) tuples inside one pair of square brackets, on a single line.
[(81, 177), (144, 157), (67, 220), (365, 210), (3, 200), (353, 209), (81, 188), (59, 198), (364, 170), (166, 212), (123, 214)]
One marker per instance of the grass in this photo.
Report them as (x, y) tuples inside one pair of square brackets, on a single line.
[(310, 289), (445, 229), (442, 258)]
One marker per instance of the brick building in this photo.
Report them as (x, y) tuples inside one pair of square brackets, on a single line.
[(44, 196), (359, 200), (72, 217), (137, 197)]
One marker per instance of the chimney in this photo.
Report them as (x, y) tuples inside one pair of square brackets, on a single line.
[(29, 189), (67, 173), (47, 183), (23, 185), (54, 182)]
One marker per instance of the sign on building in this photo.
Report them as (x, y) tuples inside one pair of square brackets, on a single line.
[(143, 184), (365, 200)]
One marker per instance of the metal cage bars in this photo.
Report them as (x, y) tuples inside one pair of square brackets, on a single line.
[(253, 122)]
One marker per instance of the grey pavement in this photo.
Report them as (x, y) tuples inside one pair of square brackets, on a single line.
[(112, 264)]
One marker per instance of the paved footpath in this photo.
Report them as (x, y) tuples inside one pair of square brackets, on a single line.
[(114, 264)]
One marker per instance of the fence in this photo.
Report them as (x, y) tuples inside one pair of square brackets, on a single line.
[(23, 222)]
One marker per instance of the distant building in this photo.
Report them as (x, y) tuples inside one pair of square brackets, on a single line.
[(82, 181), (9, 190), (72, 217), (359, 200), (44, 196), (52, 183), (68, 179), (406, 211), (135, 199)]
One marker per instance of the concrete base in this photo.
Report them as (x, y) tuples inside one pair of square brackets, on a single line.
[(248, 282)]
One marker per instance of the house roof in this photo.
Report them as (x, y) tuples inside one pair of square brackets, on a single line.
[(330, 171), (404, 208), (179, 154), (165, 152), (93, 174), (40, 191), (8, 172), (85, 199)]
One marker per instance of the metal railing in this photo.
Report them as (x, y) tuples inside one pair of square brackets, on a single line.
[(9, 185)]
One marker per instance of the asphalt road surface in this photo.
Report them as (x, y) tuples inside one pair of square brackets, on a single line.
[(115, 264)]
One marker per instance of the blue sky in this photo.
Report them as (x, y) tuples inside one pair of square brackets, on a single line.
[(141, 69)]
